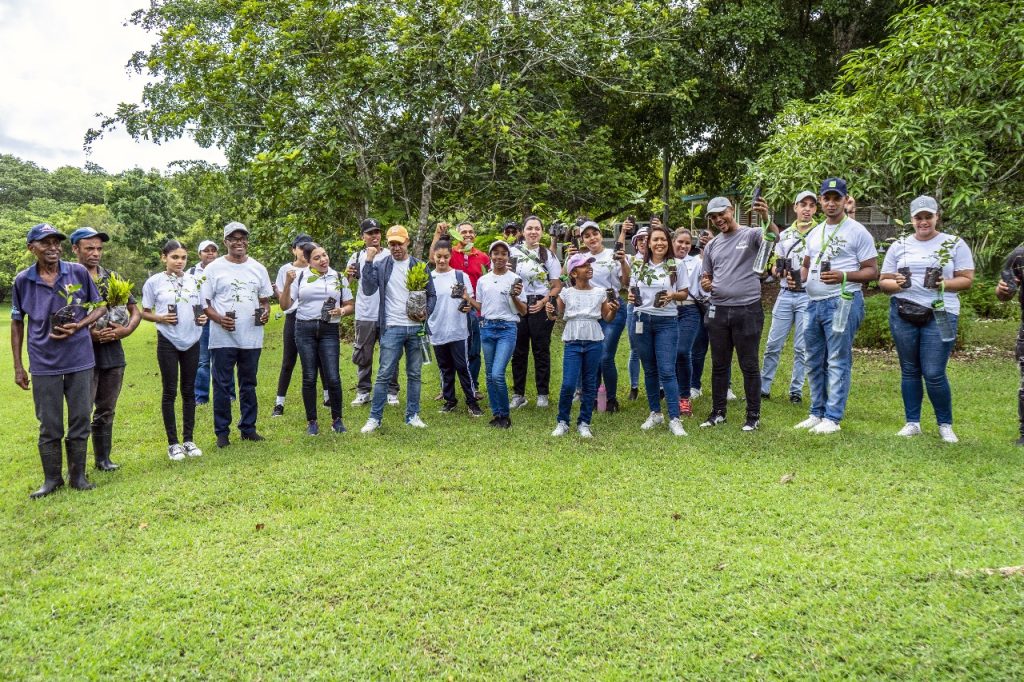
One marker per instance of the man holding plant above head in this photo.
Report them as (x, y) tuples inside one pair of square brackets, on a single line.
[(236, 293), (840, 258), (56, 296), (108, 375), (406, 301)]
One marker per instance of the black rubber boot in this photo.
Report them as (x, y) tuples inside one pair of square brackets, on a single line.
[(53, 461), (77, 452), (102, 438)]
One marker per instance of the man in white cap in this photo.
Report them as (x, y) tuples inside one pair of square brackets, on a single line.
[(791, 304), (734, 317), (237, 293), (840, 258), (207, 254)]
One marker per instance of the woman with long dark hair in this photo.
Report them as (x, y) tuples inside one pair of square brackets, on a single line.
[(171, 300)]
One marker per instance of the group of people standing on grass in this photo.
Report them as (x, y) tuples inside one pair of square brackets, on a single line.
[(673, 297)]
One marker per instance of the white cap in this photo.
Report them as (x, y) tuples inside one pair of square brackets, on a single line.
[(718, 204), (206, 243), (923, 203), (805, 194), (498, 242), (235, 227)]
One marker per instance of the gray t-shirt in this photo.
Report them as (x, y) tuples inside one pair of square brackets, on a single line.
[(729, 259)]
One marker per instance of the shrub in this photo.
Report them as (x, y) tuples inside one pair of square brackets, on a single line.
[(981, 297)]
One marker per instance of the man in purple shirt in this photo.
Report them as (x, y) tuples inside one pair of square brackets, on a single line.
[(60, 354)]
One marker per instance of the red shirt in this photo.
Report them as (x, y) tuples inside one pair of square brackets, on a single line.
[(472, 265)]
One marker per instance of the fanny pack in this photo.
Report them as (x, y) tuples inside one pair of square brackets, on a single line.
[(914, 313)]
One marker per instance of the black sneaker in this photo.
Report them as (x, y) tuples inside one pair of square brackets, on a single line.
[(327, 402), (222, 440), (278, 411), (338, 426), (312, 428), (448, 407), (795, 398), (505, 423), (612, 405), (714, 419), (252, 436), (494, 422), (634, 393), (475, 411), (752, 423)]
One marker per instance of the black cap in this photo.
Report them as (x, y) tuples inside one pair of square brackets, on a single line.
[(301, 239), (510, 226), (369, 225)]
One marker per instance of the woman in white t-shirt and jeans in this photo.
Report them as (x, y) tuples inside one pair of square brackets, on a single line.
[(171, 300), (318, 296), (920, 270)]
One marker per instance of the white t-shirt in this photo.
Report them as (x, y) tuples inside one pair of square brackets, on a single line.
[(367, 307), (238, 287), (163, 289), (582, 313), (446, 323), (607, 270), (397, 297), (535, 274), (792, 244), (846, 246), (660, 280), (689, 271), (282, 274), (308, 297), (918, 256), (493, 293)]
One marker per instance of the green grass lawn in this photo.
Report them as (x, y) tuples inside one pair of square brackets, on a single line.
[(463, 552)]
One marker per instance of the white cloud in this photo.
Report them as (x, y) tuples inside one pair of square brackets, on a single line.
[(64, 62)]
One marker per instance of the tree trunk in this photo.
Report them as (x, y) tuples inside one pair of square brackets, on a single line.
[(426, 193)]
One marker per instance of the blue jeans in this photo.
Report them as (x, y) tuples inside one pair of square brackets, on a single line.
[(789, 313), (473, 349), (830, 356), (923, 355), (609, 347), (634, 357), (393, 342), (698, 353), (225, 360), (498, 340), (657, 350), (581, 361), (690, 322), (318, 346)]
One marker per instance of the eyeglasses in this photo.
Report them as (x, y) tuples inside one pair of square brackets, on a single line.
[(237, 240)]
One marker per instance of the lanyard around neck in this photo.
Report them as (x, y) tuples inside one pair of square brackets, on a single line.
[(827, 243)]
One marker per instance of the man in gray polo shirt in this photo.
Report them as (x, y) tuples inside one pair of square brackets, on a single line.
[(734, 317)]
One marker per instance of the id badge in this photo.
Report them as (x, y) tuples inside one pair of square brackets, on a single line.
[(711, 311), (639, 327)]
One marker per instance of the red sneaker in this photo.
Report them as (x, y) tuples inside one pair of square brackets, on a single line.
[(684, 407)]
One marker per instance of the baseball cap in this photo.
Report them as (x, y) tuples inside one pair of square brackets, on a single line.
[(718, 204), (923, 203), (88, 233), (578, 259), (837, 185), (301, 239), (498, 242), (205, 244), (511, 227), (235, 227), (397, 233), (42, 231), (589, 225), (369, 225), (805, 195)]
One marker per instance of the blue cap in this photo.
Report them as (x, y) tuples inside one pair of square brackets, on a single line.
[(301, 239), (837, 185), (88, 233), (42, 231)]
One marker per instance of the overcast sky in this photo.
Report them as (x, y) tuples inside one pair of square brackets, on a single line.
[(61, 63)]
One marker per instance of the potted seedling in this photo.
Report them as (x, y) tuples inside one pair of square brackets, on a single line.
[(330, 303), (69, 313), (645, 275), (661, 297), (416, 283), (197, 308), (240, 292), (933, 272), (117, 293)]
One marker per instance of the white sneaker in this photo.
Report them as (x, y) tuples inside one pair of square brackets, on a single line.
[(808, 423), (517, 402), (946, 433), (676, 427), (361, 399), (392, 399), (560, 430), (729, 395), (191, 449), (825, 427), (542, 401), (695, 393), (370, 426), (584, 430), (653, 420), (176, 452), (910, 429), (416, 421)]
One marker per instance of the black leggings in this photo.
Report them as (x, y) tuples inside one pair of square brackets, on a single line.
[(289, 355), (170, 359), (534, 330)]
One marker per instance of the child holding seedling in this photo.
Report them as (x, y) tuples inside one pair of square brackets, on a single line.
[(583, 307)]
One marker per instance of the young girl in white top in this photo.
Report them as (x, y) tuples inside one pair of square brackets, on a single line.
[(583, 307), (171, 300)]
